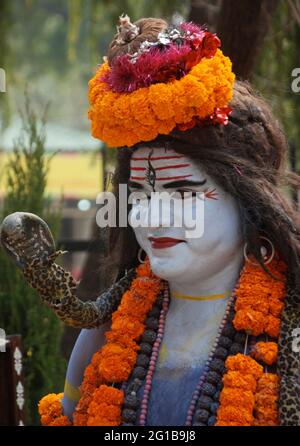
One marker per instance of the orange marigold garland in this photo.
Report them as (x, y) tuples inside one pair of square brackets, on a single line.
[(91, 381), (266, 399), (115, 361), (249, 396), (105, 407), (259, 299), (258, 308), (236, 401)]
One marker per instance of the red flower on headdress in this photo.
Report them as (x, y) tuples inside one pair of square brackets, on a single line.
[(221, 115), (162, 63)]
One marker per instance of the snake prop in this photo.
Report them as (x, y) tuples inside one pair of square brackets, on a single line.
[(27, 239)]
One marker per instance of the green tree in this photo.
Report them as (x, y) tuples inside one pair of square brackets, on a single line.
[(273, 73), (20, 309)]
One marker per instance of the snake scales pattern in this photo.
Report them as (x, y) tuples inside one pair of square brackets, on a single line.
[(288, 364), (28, 241)]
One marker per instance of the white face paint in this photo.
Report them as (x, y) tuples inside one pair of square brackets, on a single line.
[(191, 260)]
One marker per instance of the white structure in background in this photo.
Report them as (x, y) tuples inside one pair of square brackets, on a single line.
[(58, 137), (18, 361), (20, 395), (3, 341)]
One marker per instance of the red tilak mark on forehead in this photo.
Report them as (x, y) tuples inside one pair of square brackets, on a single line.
[(163, 178), (163, 167), (211, 194), (155, 158)]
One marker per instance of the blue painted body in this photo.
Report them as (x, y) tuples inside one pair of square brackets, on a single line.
[(190, 332)]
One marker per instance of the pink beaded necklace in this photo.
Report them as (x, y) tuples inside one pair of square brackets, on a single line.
[(154, 357)]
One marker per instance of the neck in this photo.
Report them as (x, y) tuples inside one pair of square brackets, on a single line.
[(221, 281)]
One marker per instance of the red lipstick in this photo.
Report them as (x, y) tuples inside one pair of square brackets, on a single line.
[(164, 242)]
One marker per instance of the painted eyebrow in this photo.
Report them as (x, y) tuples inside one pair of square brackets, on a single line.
[(183, 183), (172, 185)]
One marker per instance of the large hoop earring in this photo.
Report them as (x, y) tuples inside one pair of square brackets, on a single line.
[(264, 252), (139, 256)]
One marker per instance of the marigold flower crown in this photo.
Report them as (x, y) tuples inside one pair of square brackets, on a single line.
[(180, 81)]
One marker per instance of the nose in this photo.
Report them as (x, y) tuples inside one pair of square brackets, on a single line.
[(161, 211)]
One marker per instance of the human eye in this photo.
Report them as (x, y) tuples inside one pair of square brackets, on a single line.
[(188, 193)]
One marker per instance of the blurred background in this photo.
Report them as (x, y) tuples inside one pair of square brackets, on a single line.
[(50, 165)]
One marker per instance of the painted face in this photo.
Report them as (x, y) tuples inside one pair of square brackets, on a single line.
[(173, 255)]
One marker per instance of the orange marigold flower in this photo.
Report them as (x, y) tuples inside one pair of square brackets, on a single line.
[(46, 419), (144, 269), (234, 414), (117, 368), (238, 398), (276, 306), (84, 401), (91, 375), (266, 352), (266, 413), (112, 412), (80, 419), (257, 303), (266, 398), (123, 339), (129, 327), (272, 326), (240, 381), (231, 423), (50, 403), (264, 422), (105, 407), (253, 322), (87, 388), (268, 383), (187, 125), (244, 364), (102, 421), (50, 410), (108, 394), (61, 421)]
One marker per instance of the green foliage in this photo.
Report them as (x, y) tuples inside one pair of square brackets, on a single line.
[(21, 310), (56, 45), (273, 75), (54, 36)]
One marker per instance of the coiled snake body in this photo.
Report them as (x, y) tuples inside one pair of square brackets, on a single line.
[(28, 241)]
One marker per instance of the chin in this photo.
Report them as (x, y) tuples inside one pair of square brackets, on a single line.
[(166, 268)]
